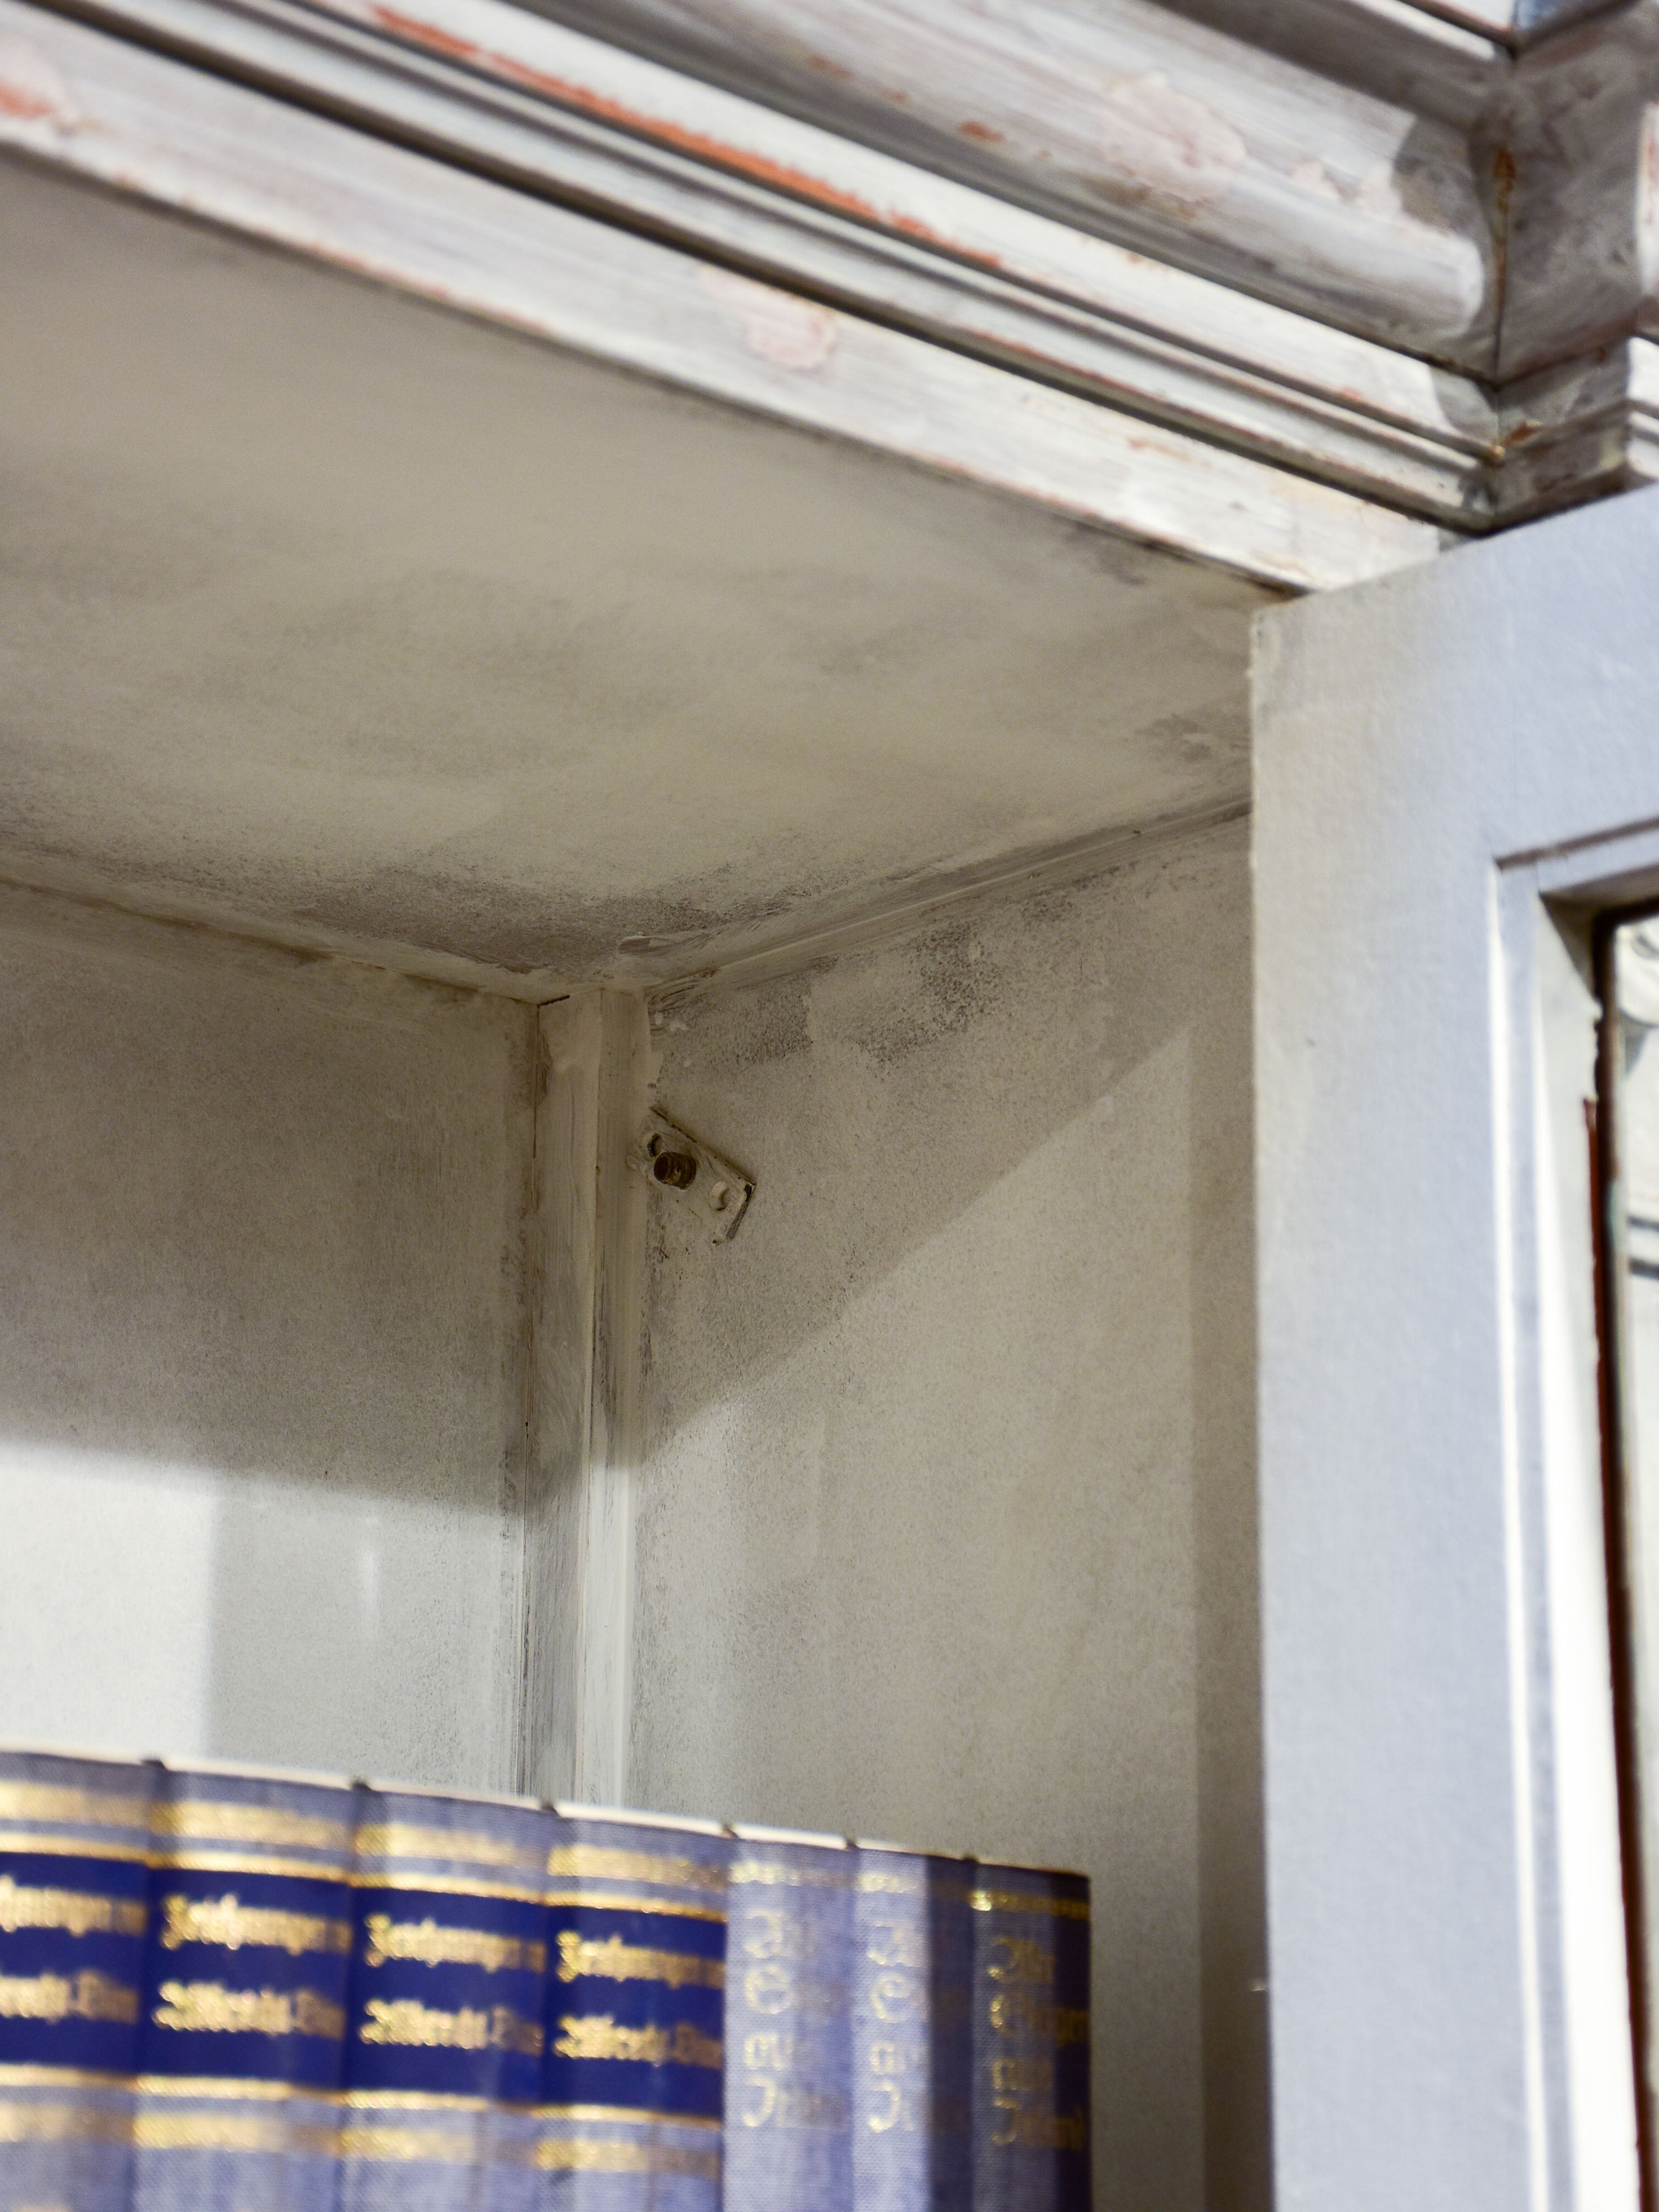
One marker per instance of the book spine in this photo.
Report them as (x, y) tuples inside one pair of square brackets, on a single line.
[(912, 2055), (74, 1840), (242, 2033), (788, 2074), (448, 1983), (1031, 2040), (632, 2085)]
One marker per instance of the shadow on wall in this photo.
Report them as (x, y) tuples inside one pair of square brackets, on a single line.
[(947, 1516), (947, 1521), (261, 1271)]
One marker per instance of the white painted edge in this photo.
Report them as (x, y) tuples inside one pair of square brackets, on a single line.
[(1480, 22), (142, 124), (676, 971), (575, 1694), (1495, 18)]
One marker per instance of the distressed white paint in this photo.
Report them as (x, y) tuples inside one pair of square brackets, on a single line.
[(1449, 2007), (150, 126), (481, 80), (1317, 179), (417, 631), (945, 1516), (261, 1437), (1228, 154)]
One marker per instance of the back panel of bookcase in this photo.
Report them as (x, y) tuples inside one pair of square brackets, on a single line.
[(942, 1521), (945, 1523), (260, 1405)]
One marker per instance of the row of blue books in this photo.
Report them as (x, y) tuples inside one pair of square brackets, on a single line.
[(225, 1990)]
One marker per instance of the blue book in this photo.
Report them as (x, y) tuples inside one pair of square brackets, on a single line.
[(1030, 2039), (788, 2066), (74, 1840), (242, 2035), (449, 1976), (632, 2087), (912, 2041)]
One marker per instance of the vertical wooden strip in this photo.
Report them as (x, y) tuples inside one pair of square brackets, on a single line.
[(589, 1224), (604, 1686), (562, 1336)]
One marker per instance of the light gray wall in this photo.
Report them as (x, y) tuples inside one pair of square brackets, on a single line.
[(260, 1396), (945, 1525)]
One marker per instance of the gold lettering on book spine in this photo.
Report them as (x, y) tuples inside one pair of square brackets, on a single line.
[(1017, 2128), (1017, 2012), (599, 2036), (77, 1912), (596, 1862), (86, 1996), (430, 1944), (406, 2022), (32, 2123), (193, 1819), (881, 1883), (81, 1808), (210, 2009), (586, 2155), (613, 1960), (771, 1875), (227, 1925), (1013, 1901), (1020, 1958), (400, 1839)]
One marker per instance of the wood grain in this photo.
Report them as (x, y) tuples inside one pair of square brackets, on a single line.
[(108, 110)]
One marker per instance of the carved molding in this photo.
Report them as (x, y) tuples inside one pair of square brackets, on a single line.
[(1230, 394), (450, 231)]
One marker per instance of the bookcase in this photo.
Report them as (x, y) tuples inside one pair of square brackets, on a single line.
[(943, 1517), (362, 1409)]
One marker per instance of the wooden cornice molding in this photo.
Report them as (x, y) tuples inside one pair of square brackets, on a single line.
[(469, 233), (1302, 303), (1318, 153), (551, 112)]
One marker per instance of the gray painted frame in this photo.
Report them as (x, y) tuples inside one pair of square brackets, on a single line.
[(1454, 767)]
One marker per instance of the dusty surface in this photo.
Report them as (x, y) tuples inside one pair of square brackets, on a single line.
[(323, 605), (259, 1236), (946, 1520)]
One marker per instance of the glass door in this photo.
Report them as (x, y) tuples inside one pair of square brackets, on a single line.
[(1628, 1147)]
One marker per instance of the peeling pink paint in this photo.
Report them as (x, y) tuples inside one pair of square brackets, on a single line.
[(32, 88), (790, 332), (1165, 147), (574, 95)]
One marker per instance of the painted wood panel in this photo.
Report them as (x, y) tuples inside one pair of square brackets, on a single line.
[(1160, 131), (490, 87), (127, 118)]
